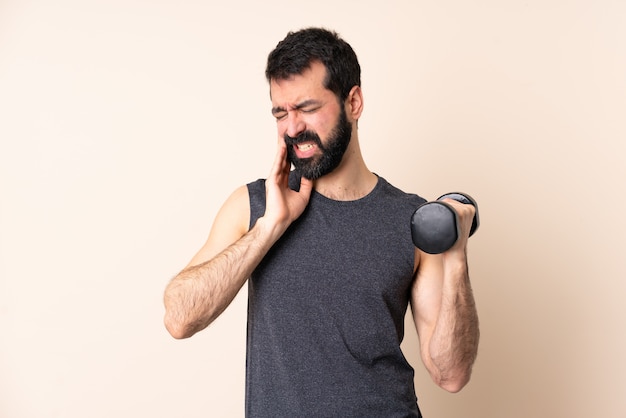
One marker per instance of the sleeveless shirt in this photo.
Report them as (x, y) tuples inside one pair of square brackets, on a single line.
[(326, 309)]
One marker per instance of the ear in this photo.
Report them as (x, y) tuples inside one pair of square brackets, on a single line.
[(354, 103)]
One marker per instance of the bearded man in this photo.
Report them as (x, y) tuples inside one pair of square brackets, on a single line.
[(327, 253)]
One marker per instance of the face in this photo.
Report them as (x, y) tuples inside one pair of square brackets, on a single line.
[(312, 122), (330, 155)]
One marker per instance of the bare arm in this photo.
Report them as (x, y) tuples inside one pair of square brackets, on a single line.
[(205, 288), (445, 313)]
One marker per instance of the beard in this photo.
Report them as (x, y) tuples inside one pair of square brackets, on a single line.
[(332, 153)]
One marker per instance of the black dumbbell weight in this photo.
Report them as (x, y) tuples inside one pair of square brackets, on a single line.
[(435, 225)]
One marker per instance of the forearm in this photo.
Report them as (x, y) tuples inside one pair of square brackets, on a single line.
[(454, 343), (200, 293)]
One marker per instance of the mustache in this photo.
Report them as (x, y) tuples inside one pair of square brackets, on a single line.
[(306, 136)]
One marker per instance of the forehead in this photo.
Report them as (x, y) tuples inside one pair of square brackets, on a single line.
[(307, 85)]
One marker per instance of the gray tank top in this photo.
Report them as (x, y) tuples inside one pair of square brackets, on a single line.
[(326, 310)]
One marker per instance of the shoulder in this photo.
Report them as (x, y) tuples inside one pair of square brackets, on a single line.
[(230, 224), (256, 201), (255, 186), (391, 191), (235, 212)]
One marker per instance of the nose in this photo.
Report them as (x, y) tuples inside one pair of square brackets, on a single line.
[(294, 124)]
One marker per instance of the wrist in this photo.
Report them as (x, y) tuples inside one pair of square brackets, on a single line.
[(268, 231), (455, 262)]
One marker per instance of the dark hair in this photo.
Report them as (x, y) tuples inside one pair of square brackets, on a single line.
[(300, 49)]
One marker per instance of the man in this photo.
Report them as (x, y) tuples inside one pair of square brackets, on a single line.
[(327, 253)]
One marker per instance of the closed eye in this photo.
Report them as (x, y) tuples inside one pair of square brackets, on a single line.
[(308, 106), (279, 113), (309, 109)]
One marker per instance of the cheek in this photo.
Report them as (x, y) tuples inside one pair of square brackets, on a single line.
[(281, 127), (323, 126)]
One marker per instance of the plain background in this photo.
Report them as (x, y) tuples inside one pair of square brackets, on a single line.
[(124, 125)]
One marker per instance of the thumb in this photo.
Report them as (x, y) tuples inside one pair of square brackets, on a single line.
[(306, 186)]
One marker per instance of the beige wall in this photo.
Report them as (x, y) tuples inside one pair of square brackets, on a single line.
[(125, 124)]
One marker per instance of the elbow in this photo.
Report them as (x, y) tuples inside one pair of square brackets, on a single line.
[(454, 385), (176, 328), (176, 331), (177, 320), (456, 381), (181, 326)]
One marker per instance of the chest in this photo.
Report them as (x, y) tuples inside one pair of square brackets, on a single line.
[(336, 252)]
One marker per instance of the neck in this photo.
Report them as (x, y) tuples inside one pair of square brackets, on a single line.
[(351, 180)]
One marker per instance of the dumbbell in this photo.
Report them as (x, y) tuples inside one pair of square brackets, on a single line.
[(435, 225)]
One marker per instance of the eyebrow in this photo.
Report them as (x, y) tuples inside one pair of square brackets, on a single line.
[(305, 103)]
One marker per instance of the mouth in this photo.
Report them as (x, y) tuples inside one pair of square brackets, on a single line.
[(304, 149)]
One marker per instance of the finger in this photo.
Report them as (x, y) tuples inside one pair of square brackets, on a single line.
[(465, 214), (280, 160), (306, 186), (459, 207)]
